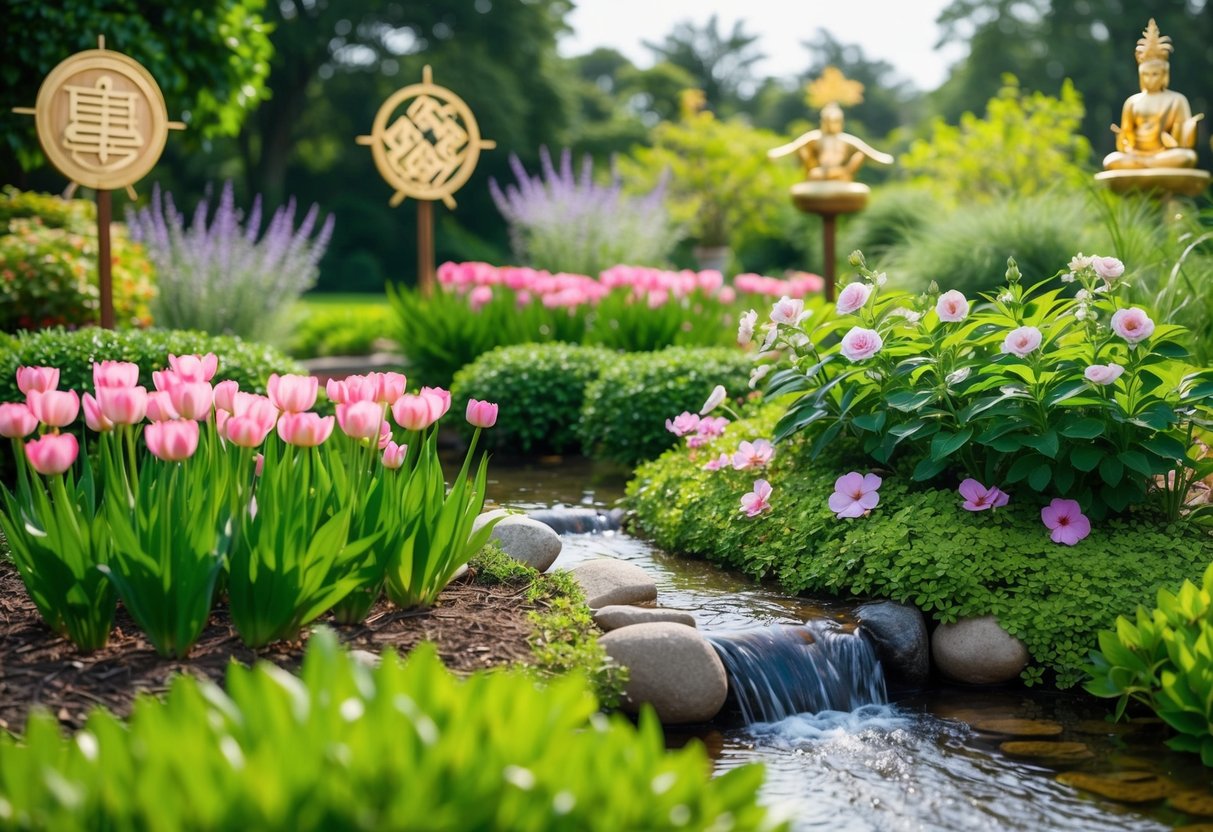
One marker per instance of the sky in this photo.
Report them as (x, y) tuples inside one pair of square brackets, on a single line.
[(902, 32)]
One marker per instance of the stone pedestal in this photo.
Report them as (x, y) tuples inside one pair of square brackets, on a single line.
[(1164, 181)]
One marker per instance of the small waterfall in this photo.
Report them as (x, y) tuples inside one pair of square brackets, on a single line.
[(579, 520), (786, 669)]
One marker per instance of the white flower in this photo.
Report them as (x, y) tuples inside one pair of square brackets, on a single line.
[(1006, 297), (745, 329), (772, 333), (909, 314), (758, 374), (714, 400), (1082, 295), (788, 311), (881, 279), (800, 341), (1079, 262), (1068, 278), (1081, 313)]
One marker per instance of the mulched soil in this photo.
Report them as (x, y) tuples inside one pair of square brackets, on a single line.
[(474, 627)]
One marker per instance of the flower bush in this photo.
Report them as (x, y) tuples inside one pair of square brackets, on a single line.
[(299, 522)]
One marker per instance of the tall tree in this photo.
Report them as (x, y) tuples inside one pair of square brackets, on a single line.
[(721, 64)]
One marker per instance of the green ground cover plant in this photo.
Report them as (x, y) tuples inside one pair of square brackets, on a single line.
[(406, 745), (327, 328), (918, 545)]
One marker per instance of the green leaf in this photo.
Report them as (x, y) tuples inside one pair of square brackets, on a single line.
[(945, 444), (928, 468), (1046, 443), (1023, 466), (910, 401), (870, 421), (1040, 476), (1136, 461), (1111, 470), (1084, 428), (1086, 457)]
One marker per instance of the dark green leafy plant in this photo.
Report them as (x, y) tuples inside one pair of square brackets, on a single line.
[(349, 330), (542, 388), (626, 408), (918, 545), (331, 750), (1165, 661)]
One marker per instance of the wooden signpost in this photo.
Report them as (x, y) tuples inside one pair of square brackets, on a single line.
[(102, 123), (425, 142)]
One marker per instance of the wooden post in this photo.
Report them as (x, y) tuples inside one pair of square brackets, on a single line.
[(828, 231), (425, 246), (105, 260)]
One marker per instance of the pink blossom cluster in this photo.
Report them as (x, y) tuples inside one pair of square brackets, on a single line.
[(797, 285), (697, 430)]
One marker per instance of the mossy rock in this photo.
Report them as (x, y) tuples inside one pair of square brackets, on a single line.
[(1048, 751), (1194, 803), (1020, 727), (1122, 786)]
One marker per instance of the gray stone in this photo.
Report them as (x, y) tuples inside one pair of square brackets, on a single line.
[(671, 667), (608, 581), (978, 651), (901, 639), (619, 615), (525, 540)]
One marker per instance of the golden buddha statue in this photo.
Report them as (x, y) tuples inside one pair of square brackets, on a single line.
[(1156, 137)]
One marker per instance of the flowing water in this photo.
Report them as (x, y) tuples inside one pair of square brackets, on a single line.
[(812, 708)]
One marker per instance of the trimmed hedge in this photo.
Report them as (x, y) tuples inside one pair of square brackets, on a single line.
[(541, 389), (626, 407), (917, 546)]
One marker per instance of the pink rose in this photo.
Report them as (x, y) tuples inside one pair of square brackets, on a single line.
[(852, 298), (952, 307), (1132, 324), (859, 343), (855, 494), (1109, 268), (1103, 373), (787, 310), (1022, 341), (1067, 521)]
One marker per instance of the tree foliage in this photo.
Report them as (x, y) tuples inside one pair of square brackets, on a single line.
[(721, 64)]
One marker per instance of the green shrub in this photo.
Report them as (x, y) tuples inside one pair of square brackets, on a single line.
[(74, 352), (48, 267), (78, 215), (895, 214), (1164, 660), (540, 387), (348, 330), (404, 746), (626, 407), (917, 546)]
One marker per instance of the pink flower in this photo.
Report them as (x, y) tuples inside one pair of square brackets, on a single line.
[(787, 310), (745, 328), (173, 440), (393, 455), (57, 408), (1109, 268), (160, 407), (754, 454), (93, 417), (385, 434), (712, 426), (952, 307), (1132, 324), (1067, 521), (292, 393), (481, 414), (852, 297), (722, 461), (225, 395), (16, 420), (391, 387), (855, 494), (191, 399), (479, 296), (1022, 341), (1103, 373), (979, 498), (258, 465), (194, 367), (756, 502), (304, 430), (415, 412), (361, 419), (726, 295), (440, 398), (120, 405), (336, 392), (41, 379), (359, 388), (115, 374), (860, 344), (684, 423), (245, 431), (53, 453)]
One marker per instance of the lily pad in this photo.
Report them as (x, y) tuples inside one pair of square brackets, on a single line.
[(1194, 803), (1047, 750), (1099, 726), (1020, 727), (1124, 787)]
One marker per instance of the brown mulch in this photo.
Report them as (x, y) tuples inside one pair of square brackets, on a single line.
[(474, 627)]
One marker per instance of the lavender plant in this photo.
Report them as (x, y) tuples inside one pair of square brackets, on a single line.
[(222, 278), (569, 223)]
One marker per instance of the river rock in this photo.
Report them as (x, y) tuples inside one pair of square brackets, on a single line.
[(671, 667), (902, 643), (607, 581), (579, 520), (525, 540), (978, 651), (620, 615)]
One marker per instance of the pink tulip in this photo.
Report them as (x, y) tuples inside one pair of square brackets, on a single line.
[(359, 388), (304, 430), (172, 441), (160, 407), (258, 408), (481, 414), (1132, 324), (195, 367), (245, 431), (415, 412), (1103, 373), (852, 298), (41, 379), (860, 344), (788, 311), (16, 420), (336, 392), (1022, 341), (360, 419), (684, 423), (385, 434), (391, 387), (191, 399), (258, 465), (225, 395), (722, 461), (1067, 521), (754, 454), (757, 501), (479, 296), (161, 379), (979, 498), (441, 399), (393, 455), (54, 453), (952, 307), (292, 393), (93, 417), (115, 374), (855, 494), (121, 405), (57, 408)]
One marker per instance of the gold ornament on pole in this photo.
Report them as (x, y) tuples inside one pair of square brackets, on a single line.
[(830, 158), (1156, 137), (102, 123), (426, 152)]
